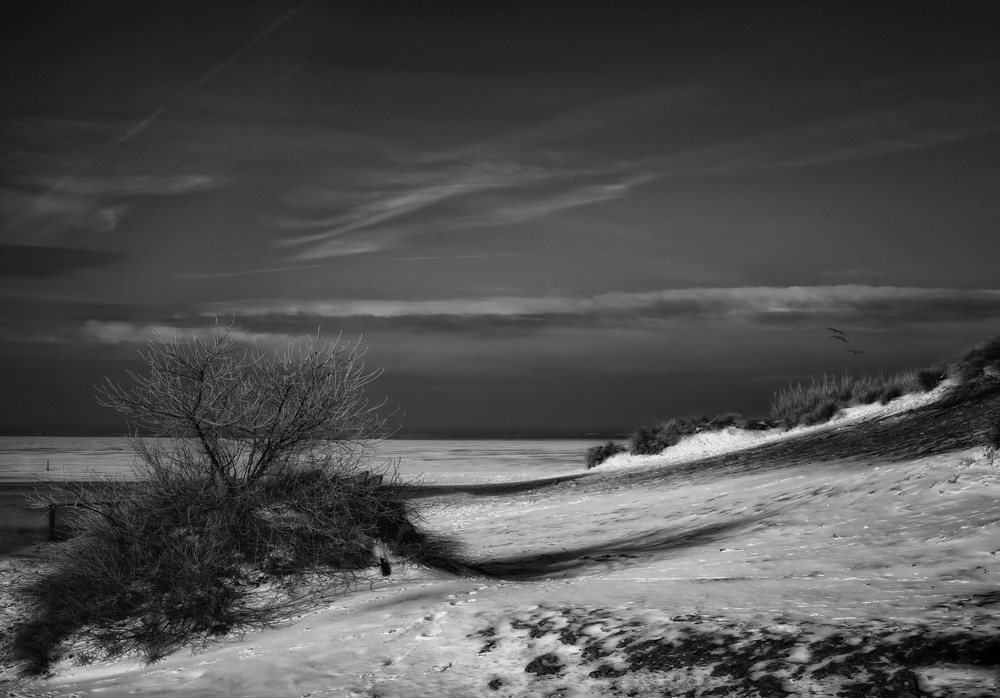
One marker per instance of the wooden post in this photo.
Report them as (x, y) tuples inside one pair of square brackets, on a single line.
[(52, 522)]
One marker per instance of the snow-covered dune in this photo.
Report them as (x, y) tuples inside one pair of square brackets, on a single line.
[(834, 578)]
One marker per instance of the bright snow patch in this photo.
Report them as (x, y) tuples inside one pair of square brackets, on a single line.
[(729, 439)]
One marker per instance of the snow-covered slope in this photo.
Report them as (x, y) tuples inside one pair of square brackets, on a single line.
[(824, 580), (713, 443)]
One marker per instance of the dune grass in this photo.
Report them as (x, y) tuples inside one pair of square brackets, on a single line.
[(991, 437), (931, 377), (650, 441), (974, 372), (817, 402), (982, 360)]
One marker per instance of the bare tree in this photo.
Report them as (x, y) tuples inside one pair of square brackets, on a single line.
[(235, 413), (252, 501)]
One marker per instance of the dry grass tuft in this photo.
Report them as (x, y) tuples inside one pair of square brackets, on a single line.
[(820, 400)]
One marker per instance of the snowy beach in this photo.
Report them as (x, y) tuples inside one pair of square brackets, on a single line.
[(811, 579)]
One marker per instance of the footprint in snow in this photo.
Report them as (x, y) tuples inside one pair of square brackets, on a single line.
[(251, 652), (435, 629)]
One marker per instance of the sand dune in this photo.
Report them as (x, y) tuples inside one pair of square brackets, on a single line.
[(840, 577)]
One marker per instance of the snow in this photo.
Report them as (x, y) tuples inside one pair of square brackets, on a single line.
[(644, 590), (712, 443)]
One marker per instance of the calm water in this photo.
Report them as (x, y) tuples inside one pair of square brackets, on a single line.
[(429, 461)]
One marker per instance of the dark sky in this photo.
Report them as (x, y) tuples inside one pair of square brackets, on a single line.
[(543, 216)]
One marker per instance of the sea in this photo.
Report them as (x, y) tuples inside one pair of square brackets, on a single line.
[(424, 461)]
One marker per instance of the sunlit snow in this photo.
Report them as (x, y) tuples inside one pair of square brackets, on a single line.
[(787, 578)]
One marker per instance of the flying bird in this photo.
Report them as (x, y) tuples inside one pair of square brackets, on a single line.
[(834, 329), (855, 351), (837, 336)]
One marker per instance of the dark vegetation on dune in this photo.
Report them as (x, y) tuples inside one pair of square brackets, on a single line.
[(991, 434), (261, 501), (974, 372), (599, 454)]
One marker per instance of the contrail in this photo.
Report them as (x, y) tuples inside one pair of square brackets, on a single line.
[(193, 86), (212, 73), (292, 71), (141, 125)]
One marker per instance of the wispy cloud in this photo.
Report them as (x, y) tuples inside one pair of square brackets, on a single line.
[(376, 211), (492, 183), (95, 202), (377, 194), (122, 332), (517, 194), (423, 258), (327, 264), (118, 331), (385, 197), (849, 137), (536, 208), (774, 307), (142, 185), (509, 319)]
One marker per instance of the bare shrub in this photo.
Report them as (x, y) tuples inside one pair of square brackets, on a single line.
[(235, 413), (256, 497), (646, 442)]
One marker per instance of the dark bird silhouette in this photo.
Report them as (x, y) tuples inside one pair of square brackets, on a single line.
[(834, 329), (837, 336), (855, 351)]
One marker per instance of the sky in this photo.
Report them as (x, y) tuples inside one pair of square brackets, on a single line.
[(544, 218)]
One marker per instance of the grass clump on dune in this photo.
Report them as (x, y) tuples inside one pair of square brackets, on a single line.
[(598, 454), (820, 400), (650, 441), (931, 377), (991, 437), (976, 371), (646, 441)]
